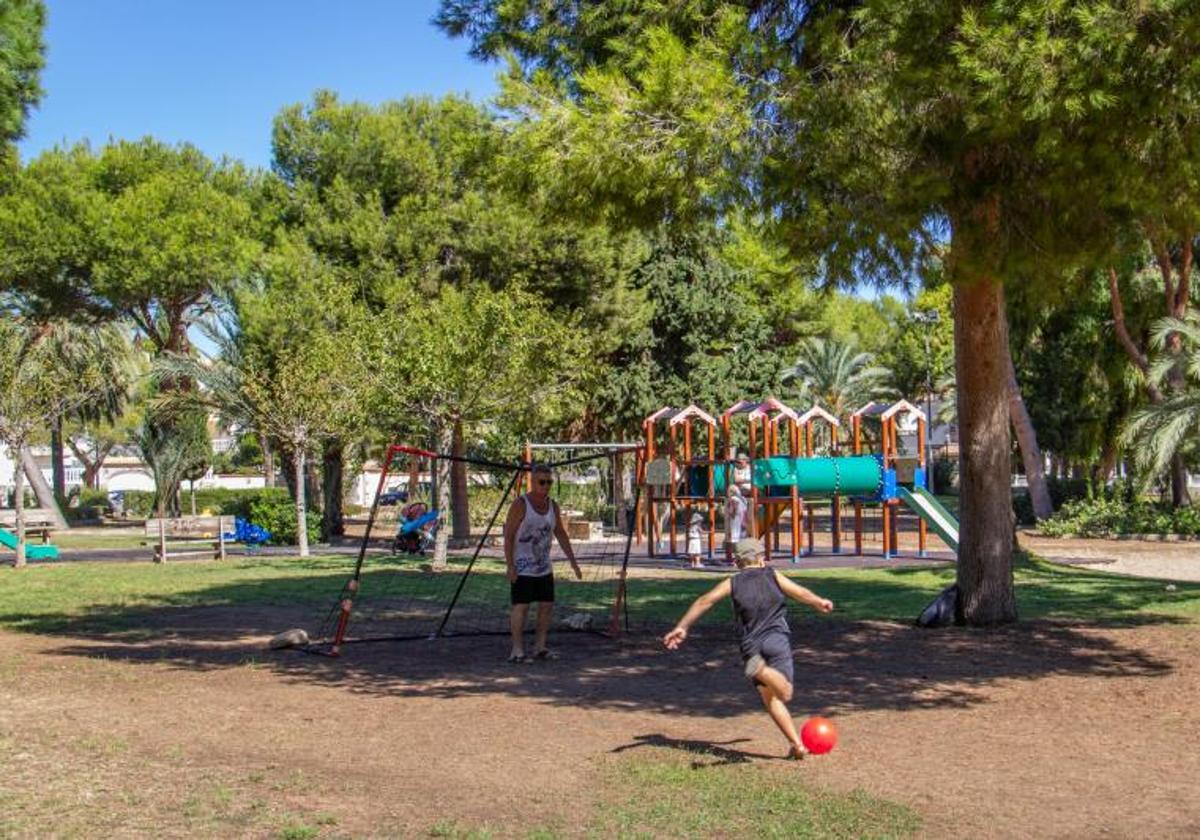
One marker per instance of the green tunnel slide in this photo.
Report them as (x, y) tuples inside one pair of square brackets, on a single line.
[(34, 552)]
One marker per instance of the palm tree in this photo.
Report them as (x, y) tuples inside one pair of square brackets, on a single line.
[(837, 375), (78, 351), (1161, 431)]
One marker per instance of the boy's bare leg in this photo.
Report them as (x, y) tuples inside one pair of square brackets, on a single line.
[(783, 719), (516, 626), (778, 683), (544, 614)]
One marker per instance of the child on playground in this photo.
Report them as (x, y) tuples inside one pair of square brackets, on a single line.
[(759, 596), (694, 533)]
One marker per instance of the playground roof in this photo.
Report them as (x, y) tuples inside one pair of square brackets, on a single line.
[(887, 412), (817, 412), (738, 408), (871, 409), (770, 404), (693, 412), (664, 412), (902, 407)]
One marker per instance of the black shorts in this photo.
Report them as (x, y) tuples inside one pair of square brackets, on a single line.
[(528, 590), (776, 649)]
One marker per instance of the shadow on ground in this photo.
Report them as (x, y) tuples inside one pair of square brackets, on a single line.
[(841, 664)]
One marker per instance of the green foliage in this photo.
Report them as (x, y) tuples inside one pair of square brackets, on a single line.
[(837, 377), (216, 500), (697, 340), (32, 388), (278, 515), (1114, 515), (1159, 431), (473, 356), (1062, 492), (140, 229), (906, 355), (22, 56), (175, 447)]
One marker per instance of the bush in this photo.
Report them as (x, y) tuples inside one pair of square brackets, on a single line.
[(1062, 491), (1114, 515), (945, 475), (278, 515), (215, 500), (89, 506)]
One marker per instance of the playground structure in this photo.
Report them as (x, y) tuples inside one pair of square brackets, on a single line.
[(33, 552), (796, 468)]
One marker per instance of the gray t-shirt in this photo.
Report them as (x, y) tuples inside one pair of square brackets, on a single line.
[(759, 606)]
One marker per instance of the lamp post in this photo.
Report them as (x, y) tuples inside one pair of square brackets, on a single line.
[(927, 318)]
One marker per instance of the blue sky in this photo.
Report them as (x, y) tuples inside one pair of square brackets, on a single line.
[(215, 72)]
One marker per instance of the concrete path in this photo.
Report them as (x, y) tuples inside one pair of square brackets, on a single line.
[(1163, 560)]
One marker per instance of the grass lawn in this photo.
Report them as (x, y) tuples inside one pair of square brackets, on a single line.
[(97, 597)]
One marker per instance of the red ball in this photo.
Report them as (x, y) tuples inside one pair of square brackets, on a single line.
[(818, 735)]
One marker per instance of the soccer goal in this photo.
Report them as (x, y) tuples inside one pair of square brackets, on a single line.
[(399, 593)]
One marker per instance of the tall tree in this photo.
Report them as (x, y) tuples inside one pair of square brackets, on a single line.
[(870, 132), (22, 56), (466, 359), (31, 390)]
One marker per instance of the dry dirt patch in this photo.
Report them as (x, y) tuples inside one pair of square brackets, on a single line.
[(1042, 730)]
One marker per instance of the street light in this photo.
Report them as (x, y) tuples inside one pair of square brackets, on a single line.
[(928, 317)]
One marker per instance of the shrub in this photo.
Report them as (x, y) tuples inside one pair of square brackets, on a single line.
[(1115, 515), (1062, 491), (278, 515)]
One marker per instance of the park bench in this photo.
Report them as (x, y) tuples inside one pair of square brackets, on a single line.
[(189, 536), (39, 524)]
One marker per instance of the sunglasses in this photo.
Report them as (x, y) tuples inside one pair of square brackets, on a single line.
[(545, 482)]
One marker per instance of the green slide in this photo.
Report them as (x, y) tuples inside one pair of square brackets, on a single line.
[(34, 552), (926, 506)]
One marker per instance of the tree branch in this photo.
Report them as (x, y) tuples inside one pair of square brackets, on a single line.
[(1131, 349)]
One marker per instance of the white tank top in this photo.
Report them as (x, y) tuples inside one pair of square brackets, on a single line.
[(532, 553)]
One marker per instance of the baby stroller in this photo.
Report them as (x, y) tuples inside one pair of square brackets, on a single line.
[(418, 529)]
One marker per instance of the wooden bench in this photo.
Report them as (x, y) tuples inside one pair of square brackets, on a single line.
[(38, 524), (183, 536)]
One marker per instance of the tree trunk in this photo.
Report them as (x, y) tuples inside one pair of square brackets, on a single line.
[(19, 514), (41, 489), (445, 439), (298, 464), (312, 487), (1180, 495), (617, 462), (414, 477), (459, 505), (264, 443), (58, 470), (985, 554), (1031, 453), (333, 467)]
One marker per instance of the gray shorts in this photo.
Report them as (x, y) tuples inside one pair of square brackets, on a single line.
[(776, 649)]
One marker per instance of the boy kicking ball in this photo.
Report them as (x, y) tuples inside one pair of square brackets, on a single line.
[(759, 598)]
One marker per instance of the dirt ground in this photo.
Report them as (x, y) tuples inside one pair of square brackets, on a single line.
[(1163, 559), (1047, 730)]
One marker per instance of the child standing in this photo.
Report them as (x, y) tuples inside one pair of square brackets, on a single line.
[(693, 539), (759, 596)]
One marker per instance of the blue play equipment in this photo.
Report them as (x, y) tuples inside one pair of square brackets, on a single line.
[(248, 534)]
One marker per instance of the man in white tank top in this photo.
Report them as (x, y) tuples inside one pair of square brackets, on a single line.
[(532, 521)]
